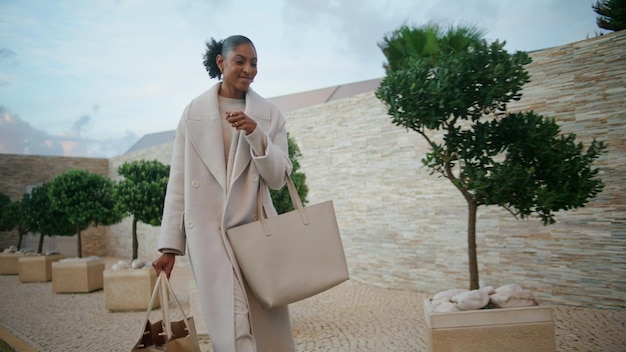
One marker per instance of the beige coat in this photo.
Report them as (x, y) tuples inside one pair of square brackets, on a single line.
[(199, 207)]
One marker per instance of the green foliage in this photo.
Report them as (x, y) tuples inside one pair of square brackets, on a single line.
[(612, 14), (6, 222), (12, 217), (426, 42), (40, 217), (85, 198), (281, 198), (523, 163), (142, 193), (519, 161)]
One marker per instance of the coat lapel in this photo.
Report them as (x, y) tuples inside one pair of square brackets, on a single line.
[(205, 131)]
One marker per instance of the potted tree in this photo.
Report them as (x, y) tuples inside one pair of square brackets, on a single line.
[(140, 194), (40, 217), (458, 84), (10, 218), (85, 199)]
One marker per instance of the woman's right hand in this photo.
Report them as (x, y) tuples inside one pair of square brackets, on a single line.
[(164, 263)]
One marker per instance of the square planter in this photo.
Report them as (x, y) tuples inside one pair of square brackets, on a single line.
[(79, 276), (37, 268), (491, 330), (9, 264), (130, 289)]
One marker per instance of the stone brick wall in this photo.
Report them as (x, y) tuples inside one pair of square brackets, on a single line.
[(18, 172), (403, 228)]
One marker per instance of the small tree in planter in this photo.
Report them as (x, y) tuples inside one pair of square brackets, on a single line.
[(40, 217), (14, 218), (458, 83), (281, 198), (85, 198), (142, 192)]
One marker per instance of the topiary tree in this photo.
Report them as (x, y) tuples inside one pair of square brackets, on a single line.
[(281, 198), (142, 193), (16, 214), (40, 217), (5, 223), (86, 199), (13, 218), (519, 161)]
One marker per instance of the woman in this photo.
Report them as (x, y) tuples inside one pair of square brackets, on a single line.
[(227, 140)]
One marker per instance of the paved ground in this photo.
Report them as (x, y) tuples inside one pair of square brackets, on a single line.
[(350, 317)]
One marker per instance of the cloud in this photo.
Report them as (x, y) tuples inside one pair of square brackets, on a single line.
[(19, 137)]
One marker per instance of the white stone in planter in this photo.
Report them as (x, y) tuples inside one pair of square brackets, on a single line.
[(37, 268), (447, 294), (77, 275), (471, 300), (130, 289), (513, 299)]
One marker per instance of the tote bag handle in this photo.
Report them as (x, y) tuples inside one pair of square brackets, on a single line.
[(295, 201)]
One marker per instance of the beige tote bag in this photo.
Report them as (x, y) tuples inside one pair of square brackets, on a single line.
[(291, 256)]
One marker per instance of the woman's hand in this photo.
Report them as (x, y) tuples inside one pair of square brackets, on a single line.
[(164, 263), (240, 121)]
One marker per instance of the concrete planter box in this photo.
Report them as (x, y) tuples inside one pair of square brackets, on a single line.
[(527, 329), (131, 289), (37, 268), (9, 264), (79, 276)]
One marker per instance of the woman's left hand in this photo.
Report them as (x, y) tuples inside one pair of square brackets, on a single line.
[(240, 121)]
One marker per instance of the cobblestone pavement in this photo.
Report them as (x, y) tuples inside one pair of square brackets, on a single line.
[(350, 317)]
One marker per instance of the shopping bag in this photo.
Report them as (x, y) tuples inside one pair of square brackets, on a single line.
[(166, 335)]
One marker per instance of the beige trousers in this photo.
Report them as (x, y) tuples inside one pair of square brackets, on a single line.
[(244, 341)]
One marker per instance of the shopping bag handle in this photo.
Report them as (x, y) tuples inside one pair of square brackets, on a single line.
[(164, 287)]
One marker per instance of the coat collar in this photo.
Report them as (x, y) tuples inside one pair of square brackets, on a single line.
[(204, 128)]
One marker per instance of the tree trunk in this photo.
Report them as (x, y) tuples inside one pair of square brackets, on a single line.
[(80, 244), (471, 244), (135, 241), (40, 245), (19, 240)]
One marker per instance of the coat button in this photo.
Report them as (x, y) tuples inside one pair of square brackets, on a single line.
[(190, 224), (195, 183), (255, 217), (255, 178)]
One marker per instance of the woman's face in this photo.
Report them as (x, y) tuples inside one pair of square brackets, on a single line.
[(238, 70)]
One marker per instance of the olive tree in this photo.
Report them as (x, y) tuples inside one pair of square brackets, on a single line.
[(85, 199), (141, 193), (460, 88), (40, 217)]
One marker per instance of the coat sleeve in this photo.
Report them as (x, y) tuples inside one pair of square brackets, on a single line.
[(172, 235), (273, 164)]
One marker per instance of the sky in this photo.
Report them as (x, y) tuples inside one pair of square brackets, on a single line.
[(89, 78)]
